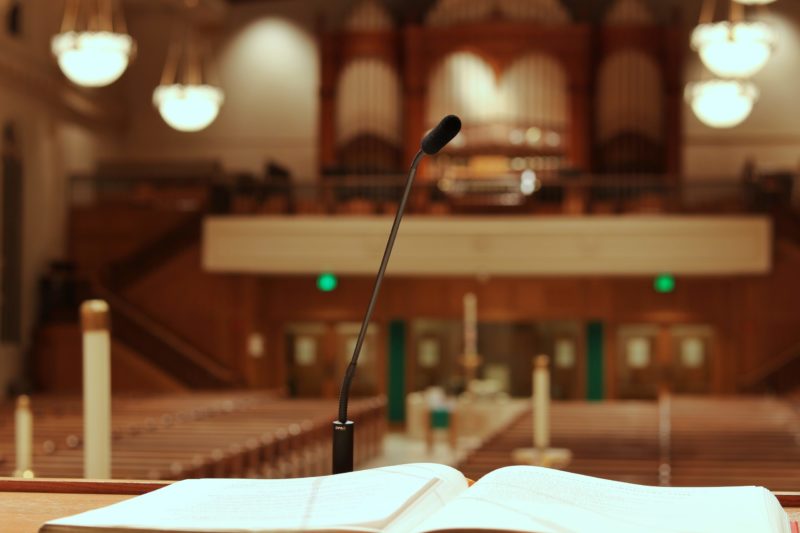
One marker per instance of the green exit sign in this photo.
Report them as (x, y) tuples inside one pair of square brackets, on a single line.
[(327, 282), (664, 283)]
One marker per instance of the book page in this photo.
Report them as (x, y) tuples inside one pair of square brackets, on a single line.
[(359, 501), (541, 500)]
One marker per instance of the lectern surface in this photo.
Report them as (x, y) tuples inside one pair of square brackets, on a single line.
[(26, 505)]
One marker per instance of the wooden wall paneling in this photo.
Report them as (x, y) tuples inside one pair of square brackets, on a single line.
[(663, 356), (724, 357), (582, 348), (57, 354), (276, 358), (247, 325), (331, 363), (412, 361), (610, 347), (101, 234), (382, 354), (194, 303), (274, 364)]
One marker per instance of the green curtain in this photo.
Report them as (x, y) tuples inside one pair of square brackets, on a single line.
[(594, 361), (397, 371)]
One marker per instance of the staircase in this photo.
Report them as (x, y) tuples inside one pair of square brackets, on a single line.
[(114, 247), (780, 374)]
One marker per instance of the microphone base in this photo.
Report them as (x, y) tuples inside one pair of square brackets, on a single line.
[(343, 446)]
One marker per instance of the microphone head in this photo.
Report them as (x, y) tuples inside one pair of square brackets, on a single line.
[(442, 134)]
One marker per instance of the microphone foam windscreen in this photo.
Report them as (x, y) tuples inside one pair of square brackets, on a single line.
[(442, 134)]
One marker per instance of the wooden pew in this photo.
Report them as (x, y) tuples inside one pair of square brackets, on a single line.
[(702, 441), (251, 434)]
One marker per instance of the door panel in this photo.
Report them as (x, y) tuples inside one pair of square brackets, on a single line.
[(317, 354), (638, 372), (678, 358), (692, 359), (306, 360), (366, 380)]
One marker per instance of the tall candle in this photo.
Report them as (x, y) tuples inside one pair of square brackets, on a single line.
[(541, 403), (96, 390), (23, 434), (470, 324)]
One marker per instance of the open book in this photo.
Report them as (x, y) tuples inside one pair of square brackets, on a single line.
[(427, 498)]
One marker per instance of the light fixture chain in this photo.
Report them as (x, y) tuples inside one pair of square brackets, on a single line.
[(736, 12), (71, 12), (106, 15), (122, 25), (707, 11), (170, 74)]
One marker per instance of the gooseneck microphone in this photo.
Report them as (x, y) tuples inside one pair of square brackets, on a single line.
[(344, 429)]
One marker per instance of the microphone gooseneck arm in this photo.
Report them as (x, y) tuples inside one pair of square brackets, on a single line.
[(351, 368), (343, 429)]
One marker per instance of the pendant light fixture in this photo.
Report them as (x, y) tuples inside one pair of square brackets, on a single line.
[(185, 98), (754, 2), (93, 48), (733, 48), (722, 103)]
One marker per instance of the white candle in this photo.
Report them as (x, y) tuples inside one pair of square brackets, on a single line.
[(96, 390), (470, 324), (541, 403), (23, 432)]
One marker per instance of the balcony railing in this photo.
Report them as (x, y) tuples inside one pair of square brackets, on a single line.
[(548, 194)]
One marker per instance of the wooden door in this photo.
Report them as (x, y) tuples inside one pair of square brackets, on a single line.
[(317, 354), (367, 380), (638, 365), (307, 360), (677, 358), (692, 354)]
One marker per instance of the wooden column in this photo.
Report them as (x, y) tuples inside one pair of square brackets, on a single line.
[(329, 70), (580, 113), (414, 94), (673, 108)]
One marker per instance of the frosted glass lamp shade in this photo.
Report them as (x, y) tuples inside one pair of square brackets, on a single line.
[(188, 107), (754, 2), (734, 50), (722, 103), (93, 58)]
